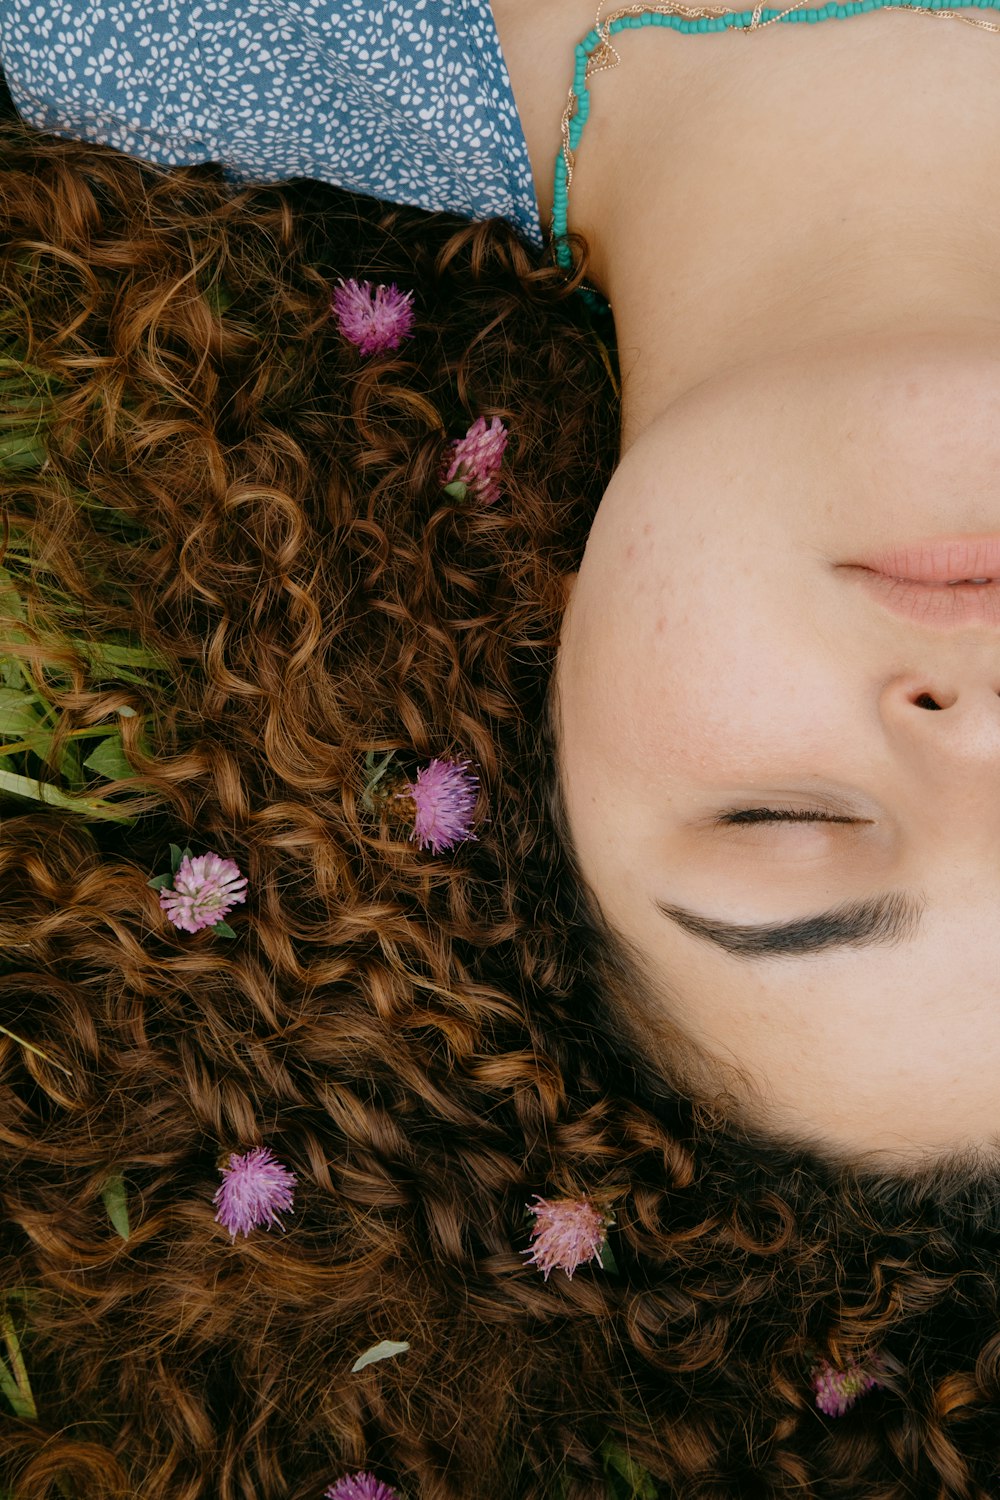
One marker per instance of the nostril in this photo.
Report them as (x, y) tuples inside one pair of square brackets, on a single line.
[(926, 701)]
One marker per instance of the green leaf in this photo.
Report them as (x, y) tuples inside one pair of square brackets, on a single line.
[(108, 759), (223, 929), (107, 654), (375, 774), (160, 882), (37, 741), (219, 298), (385, 1349), (629, 1480), (18, 713), (176, 855), (10, 672), (116, 1203), (20, 451), (608, 1259), (122, 675), (10, 598), (458, 489), (70, 768)]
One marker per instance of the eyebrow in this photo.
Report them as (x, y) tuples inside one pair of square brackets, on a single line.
[(881, 919)]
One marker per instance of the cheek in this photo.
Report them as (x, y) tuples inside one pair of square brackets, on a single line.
[(722, 680), (676, 683)]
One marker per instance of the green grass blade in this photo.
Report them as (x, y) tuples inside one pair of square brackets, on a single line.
[(10, 1390), (40, 791), (35, 376), (30, 1047), (16, 1386)]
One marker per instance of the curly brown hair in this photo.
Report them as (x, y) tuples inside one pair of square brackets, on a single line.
[(419, 1037)]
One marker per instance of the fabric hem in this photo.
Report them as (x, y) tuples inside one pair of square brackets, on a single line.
[(483, 31)]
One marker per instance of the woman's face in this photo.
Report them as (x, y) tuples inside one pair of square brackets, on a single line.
[(722, 663)]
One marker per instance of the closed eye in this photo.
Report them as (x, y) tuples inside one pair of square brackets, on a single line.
[(742, 815)]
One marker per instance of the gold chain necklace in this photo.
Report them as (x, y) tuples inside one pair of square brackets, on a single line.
[(604, 56)]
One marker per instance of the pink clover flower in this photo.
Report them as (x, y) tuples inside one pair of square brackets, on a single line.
[(837, 1390), (476, 460), (374, 318), (205, 889)]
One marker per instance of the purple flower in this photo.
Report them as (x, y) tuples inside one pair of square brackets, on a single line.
[(205, 889), (568, 1232), (360, 1487), (375, 318), (475, 461), (837, 1390), (444, 796), (255, 1188)]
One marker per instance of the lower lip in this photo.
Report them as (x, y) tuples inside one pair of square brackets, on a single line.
[(919, 581), (940, 605)]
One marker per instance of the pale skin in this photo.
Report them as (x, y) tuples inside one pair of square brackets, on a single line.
[(799, 235)]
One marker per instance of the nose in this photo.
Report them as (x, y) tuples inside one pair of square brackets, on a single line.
[(952, 717)]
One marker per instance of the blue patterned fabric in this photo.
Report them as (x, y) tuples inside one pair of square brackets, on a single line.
[(406, 100)]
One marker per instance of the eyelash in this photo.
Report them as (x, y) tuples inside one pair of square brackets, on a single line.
[(741, 816)]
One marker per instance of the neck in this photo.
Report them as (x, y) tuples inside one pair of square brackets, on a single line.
[(766, 225)]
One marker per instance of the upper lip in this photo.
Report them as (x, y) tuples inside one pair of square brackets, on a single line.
[(938, 562)]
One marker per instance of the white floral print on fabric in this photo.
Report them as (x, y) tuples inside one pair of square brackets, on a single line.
[(406, 100)]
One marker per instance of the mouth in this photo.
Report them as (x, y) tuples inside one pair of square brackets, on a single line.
[(946, 582)]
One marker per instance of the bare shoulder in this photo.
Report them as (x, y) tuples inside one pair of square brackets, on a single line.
[(538, 38)]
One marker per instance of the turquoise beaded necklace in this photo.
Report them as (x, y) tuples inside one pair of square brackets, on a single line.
[(595, 54)]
